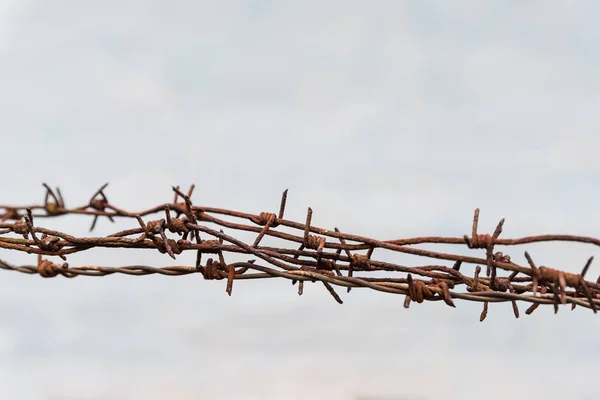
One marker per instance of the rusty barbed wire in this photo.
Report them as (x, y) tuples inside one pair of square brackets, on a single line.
[(311, 254)]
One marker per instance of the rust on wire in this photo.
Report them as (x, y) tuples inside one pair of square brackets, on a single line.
[(308, 254)]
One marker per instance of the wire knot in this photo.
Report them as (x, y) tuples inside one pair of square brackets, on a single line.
[(265, 218), (360, 261), (47, 269), (551, 275), (418, 290), (482, 241), (499, 256), (212, 269), (169, 246), (314, 242), (323, 264), (49, 243), (51, 208), (502, 284), (21, 228), (99, 204), (10, 213), (178, 225), (155, 227)]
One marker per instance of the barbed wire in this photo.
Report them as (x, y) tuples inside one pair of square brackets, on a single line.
[(310, 253)]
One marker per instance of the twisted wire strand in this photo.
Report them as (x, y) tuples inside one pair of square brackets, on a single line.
[(310, 253)]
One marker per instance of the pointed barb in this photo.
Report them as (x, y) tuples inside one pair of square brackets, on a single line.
[(282, 204), (587, 266), (484, 312)]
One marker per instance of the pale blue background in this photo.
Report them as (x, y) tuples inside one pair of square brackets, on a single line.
[(390, 119)]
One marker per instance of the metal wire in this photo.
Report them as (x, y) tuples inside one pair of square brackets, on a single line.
[(309, 253)]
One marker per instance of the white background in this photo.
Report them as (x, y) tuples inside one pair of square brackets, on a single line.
[(389, 119)]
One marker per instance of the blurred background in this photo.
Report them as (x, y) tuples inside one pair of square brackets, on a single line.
[(390, 119)]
